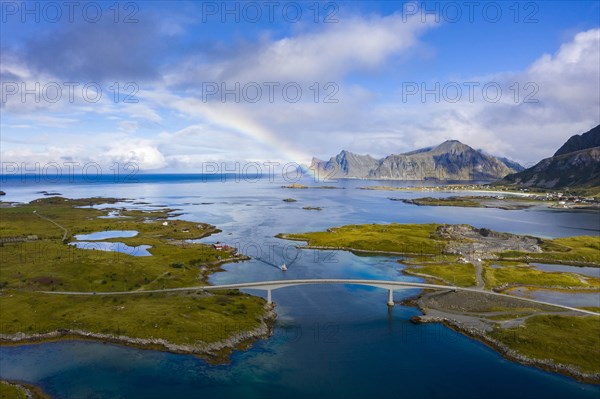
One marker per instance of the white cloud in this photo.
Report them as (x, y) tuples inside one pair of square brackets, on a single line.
[(569, 103), (568, 85), (128, 126), (143, 153), (102, 149), (356, 43), (367, 119)]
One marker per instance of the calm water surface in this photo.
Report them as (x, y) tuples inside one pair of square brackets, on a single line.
[(586, 271), (574, 299), (139, 250), (103, 235), (329, 341)]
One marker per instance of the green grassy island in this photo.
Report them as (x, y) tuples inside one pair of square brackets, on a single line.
[(461, 255), (36, 256), (10, 390), (507, 203), (500, 197)]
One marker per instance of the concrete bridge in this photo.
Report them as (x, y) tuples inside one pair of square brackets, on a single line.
[(269, 286)]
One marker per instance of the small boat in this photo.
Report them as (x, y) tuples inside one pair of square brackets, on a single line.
[(283, 267)]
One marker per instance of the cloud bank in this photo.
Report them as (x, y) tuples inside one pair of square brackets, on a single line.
[(174, 125)]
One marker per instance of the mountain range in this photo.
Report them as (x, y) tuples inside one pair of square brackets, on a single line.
[(580, 142), (575, 165), (451, 160)]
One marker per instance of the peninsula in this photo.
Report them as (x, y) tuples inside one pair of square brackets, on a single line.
[(465, 256), (60, 244)]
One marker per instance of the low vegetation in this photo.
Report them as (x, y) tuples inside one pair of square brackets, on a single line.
[(35, 258), (458, 274), (20, 390), (394, 238), (11, 391), (446, 201), (538, 332), (584, 250), (47, 263), (568, 340), (423, 239), (181, 318), (508, 203), (505, 275)]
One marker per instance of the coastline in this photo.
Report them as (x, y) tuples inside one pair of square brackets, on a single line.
[(254, 324), (469, 331), (28, 390), (363, 251), (480, 335), (214, 353), (505, 351)]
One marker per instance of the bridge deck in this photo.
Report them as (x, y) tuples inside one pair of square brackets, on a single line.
[(277, 284)]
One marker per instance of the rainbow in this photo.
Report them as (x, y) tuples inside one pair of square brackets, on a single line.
[(282, 150)]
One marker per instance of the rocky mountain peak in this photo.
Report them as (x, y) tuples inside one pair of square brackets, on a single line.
[(450, 160), (580, 142)]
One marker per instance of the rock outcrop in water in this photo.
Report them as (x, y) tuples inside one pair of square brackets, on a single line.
[(451, 160)]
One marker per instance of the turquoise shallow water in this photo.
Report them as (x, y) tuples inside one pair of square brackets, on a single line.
[(329, 341)]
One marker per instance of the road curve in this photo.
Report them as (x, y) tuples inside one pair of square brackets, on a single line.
[(276, 284)]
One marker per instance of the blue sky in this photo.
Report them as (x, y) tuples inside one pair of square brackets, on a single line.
[(369, 57)]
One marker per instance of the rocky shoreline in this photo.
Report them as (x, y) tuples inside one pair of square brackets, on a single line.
[(28, 390), (508, 353), (467, 202), (214, 352)]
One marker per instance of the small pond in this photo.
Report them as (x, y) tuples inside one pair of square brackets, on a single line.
[(574, 299), (103, 235), (140, 250), (586, 271), (112, 215)]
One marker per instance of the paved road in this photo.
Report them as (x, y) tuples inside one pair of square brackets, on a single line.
[(277, 284), (479, 274)]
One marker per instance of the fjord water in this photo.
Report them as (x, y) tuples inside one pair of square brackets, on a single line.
[(329, 341)]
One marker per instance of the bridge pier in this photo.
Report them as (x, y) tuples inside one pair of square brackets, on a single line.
[(390, 298), (269, 300)]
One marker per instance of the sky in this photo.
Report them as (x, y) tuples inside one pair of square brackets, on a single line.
[(172, 86)]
